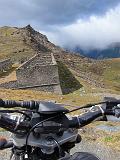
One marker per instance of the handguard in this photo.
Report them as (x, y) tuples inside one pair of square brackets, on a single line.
[(4, 143)]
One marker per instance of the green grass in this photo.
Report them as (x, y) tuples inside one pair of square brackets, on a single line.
[(112, 74), (108, 139), (111, 139), (107, 71)]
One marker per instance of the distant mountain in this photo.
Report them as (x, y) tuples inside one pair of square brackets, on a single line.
[(112, 51)]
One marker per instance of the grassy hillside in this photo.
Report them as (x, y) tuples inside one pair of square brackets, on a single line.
[(112, 73), (109, 71), (105, 72), (12, 45)]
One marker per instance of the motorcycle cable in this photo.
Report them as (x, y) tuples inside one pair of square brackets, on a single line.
[(86, 106)]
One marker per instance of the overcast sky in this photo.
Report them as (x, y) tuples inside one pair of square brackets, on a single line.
[(84, 23)]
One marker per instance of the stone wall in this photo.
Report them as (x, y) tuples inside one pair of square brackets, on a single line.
[(43, 73), (39, 59), (5, 65), (55, 88), (39, 73)]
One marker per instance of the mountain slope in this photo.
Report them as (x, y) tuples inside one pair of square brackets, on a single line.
[(20, 44)]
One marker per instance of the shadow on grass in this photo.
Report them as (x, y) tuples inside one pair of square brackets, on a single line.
[(68, 82), (6, 73)]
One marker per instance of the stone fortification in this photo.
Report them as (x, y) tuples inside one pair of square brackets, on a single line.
[(43, 73), (5, 65), (39, 73)]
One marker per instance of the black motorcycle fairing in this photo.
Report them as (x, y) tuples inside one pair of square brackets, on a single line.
[(51, 108)]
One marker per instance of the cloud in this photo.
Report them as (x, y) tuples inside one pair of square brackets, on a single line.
[(67, 11), (95, 32), (66, 22), (44, 13)]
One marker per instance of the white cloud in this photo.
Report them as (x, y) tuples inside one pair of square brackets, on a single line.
[(96, 32), (66, 22)]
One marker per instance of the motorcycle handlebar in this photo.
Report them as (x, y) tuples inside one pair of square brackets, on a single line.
[(80, 121), (75, 122)]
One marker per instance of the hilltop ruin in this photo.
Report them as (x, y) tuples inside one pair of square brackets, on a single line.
[(39, 73), (43, 73)]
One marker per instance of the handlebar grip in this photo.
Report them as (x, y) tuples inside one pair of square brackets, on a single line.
[(80, 121), (23, 104), (111, 102)]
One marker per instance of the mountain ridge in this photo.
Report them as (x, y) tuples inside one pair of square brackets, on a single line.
[(29, 38)]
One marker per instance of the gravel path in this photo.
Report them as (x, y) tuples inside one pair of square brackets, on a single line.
[(103, 152)]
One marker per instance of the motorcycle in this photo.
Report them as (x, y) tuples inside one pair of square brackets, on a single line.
[(45, 130)]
